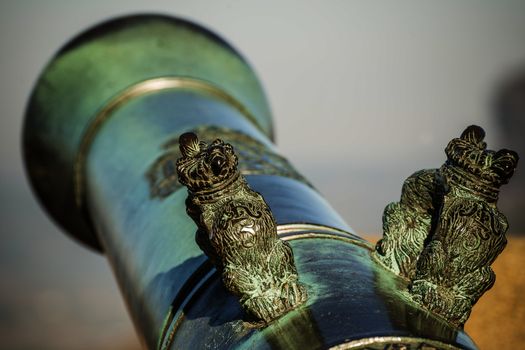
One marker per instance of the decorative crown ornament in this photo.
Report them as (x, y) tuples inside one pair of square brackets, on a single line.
[(206, 169), (474, 168)]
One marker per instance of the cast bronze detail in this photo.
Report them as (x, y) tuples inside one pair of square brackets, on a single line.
[(237, 231), (393, 343), (446, 230), (255, 158)]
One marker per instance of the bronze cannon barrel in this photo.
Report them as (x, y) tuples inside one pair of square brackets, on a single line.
[(101, 144)]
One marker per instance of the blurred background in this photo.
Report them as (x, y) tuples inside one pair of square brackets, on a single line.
[(363, 94)]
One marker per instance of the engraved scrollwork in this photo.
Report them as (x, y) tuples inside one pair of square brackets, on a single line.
[(237, 231), (255, 158)]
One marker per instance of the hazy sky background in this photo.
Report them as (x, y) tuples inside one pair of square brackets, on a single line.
[(363, 94)]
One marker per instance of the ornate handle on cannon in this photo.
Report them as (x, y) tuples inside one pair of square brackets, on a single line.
[(446, 230), (237, 230)]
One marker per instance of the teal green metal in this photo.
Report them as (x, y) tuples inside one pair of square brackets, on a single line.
[(100, 64), (101, 143)]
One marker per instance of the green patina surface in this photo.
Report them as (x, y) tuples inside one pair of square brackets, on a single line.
[(100, 64), (439, 239), (237, 231), (350, 297), (446, 230)]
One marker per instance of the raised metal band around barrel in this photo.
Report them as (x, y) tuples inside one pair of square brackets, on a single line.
[(393, 342), (140, 89), (290, 232), (286, 232)]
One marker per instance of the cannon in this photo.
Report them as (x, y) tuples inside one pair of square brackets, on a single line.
[(149, 139)]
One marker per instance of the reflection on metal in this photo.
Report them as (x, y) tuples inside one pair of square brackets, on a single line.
[(446, 230), (255, 158), (205, 273), (140, 89), (237, 231), (291, 232), (394, 343)]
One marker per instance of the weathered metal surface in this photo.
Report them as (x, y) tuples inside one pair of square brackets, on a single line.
[(256, 159), (352, 301), (100, 147), (446, 231), (237, 230), (104, 69)]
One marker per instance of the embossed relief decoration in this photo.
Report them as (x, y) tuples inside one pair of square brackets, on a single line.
[(254, 159), (446, 230), (406, 346), (237, 230), (379, 343)]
